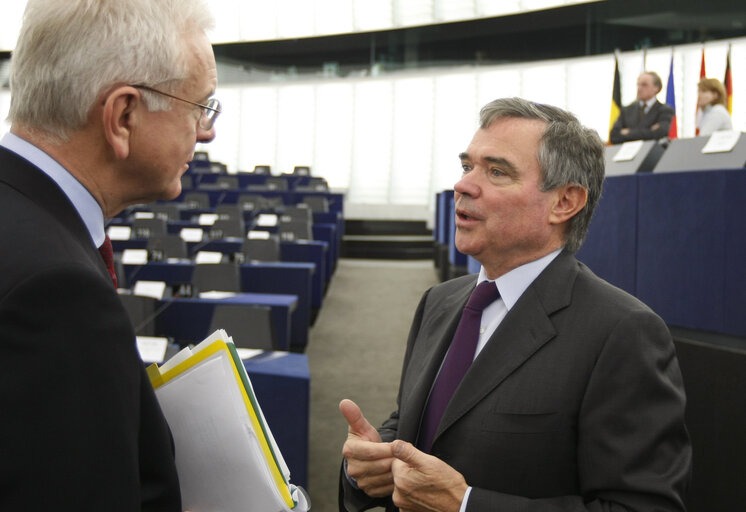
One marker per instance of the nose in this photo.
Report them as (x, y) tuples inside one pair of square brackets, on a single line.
[(467, 185), (205, 136)]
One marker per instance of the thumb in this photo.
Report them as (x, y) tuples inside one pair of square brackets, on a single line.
[(359, 426), (405, 452)]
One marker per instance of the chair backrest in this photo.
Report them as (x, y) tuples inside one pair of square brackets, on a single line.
[(168, 211), (251, 201), (196, 200), (229, 211), (296, 214), (316, 203), (261, 249), (227, 182), (232, 227), (249, 326), (276, 184), (302, 170), (187, 182), (147, 228), (224, 277), (262, 169), (167, 246), (141, 311), (295, 230)]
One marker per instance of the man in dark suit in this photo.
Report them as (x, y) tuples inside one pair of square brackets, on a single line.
[(81, 428), (573, 399), (646, 118)]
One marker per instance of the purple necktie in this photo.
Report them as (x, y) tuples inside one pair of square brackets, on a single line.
[(458, 359), (107, 253)]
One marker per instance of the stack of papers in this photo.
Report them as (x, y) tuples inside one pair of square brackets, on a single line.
[(226, 456)]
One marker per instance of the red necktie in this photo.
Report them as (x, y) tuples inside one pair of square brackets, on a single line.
[(107, 253), (458, 359)]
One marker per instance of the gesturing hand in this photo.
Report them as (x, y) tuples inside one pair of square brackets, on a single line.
[(368, 458), (423, 482)]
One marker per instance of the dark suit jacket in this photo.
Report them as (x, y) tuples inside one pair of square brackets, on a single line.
[(575, 403), (81, 428), (639, 124)]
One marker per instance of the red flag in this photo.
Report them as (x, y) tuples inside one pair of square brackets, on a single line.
[(728, 83), (702, 74)]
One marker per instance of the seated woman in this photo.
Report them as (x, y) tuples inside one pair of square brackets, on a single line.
[(711, 100)]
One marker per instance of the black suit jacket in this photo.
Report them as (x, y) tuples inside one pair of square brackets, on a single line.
[(639, 123), (81, 428), (576, 402)]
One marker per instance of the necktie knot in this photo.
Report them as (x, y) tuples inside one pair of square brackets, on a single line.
[(107, 253), (483, 295)]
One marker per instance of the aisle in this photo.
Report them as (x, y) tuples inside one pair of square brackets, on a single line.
[(355, 351)]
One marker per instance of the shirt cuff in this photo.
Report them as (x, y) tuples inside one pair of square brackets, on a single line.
[(466, 500)]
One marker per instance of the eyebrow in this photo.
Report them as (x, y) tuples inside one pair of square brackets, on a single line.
[(502, 162)]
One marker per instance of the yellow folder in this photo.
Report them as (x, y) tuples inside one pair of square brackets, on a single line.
[(226, 456)]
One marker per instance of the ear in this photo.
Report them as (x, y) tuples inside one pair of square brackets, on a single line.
[(569, 201), (119, 117)]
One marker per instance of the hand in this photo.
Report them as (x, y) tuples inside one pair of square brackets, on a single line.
[(655, 126), (368, 458), (423, 483), (624, 131)]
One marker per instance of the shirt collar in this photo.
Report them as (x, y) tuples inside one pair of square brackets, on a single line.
[(648, 104), (512, 285), (85, 204)]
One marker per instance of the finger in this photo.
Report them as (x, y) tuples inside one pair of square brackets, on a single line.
[(358, 425), (359, 469), (356, 448), (405, 452)]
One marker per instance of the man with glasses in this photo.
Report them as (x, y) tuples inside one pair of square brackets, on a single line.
[(108, 101)]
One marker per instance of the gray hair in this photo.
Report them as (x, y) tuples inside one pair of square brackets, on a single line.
[(569, 154), (69, 52)]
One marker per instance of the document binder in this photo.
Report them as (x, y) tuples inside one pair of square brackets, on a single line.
[(226, 456)]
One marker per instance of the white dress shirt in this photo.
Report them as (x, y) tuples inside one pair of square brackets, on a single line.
[(85, 204), (511, 286)]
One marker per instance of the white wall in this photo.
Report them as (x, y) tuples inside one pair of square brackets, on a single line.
[(391, 141)]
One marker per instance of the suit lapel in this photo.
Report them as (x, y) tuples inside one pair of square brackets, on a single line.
[(436, 336), (523, 331)]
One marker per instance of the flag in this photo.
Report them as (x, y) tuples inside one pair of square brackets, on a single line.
[(673, 131), (616, 97), (728, 83), (702, 74)]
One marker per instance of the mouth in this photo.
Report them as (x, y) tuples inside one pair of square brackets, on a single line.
[(465, 216)]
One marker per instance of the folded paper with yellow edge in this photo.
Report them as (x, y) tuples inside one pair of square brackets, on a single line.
[(226, 456)]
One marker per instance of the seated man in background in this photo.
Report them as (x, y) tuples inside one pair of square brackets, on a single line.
[(645, 119), (536, 385)]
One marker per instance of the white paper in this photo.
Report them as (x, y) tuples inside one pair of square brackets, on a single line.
[(153, 289), (119, 232), (257, 235), (135, 256), (208, 257), (191, 234), (266, 220), (721, 141), (207, 219), (216, 294), (152, 349), (248, 353), (628, 151)]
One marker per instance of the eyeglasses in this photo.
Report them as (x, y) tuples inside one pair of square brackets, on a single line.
[(210, 111)]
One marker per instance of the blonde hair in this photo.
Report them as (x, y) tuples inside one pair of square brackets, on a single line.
[(713, 85)]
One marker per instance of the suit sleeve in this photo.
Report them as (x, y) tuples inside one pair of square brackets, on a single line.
[(351, 499), (615, 135), (73, 381), (633, 447), (663, 120)]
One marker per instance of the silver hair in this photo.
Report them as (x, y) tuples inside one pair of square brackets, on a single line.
[(69, 52), (569, 154)]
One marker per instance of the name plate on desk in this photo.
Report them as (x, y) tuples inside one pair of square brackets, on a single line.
[(207, 219), (135, 256), (152, 349), (119, 232), (628, 151), (207, 257), (191, 234), (257, 235), (144, 215), (154, 289), (722, 142), (266, 220)]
